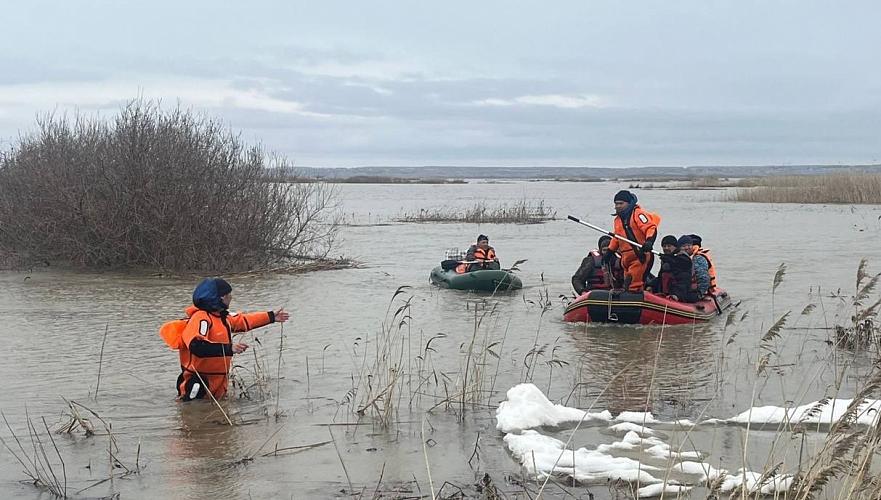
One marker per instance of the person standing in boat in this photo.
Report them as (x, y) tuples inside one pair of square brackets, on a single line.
[(594, 273), (698, 249), (479, 256), (205, 341), (638, 225)]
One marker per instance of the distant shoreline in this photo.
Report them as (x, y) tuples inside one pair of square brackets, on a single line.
[(450, 174)]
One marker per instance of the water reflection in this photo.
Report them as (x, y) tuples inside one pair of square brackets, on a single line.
[(205, 451), (667, 371)]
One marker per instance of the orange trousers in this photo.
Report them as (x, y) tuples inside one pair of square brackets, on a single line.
[(635, 271)]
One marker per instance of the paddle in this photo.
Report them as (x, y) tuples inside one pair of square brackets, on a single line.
[(613, 235)]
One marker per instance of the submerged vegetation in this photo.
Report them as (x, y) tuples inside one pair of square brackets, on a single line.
[(862, 331), (162, 190), (858, 187), (520, 212)]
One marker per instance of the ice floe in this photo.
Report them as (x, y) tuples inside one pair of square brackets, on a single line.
[(625, 427), (642, 455), (656, 490), (527, 407), (538, 455), (819, 412), (755, 483)]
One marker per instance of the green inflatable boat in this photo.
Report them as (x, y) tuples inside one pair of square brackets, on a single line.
[(483, 280)]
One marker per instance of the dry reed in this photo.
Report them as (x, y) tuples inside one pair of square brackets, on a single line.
[(519, 212), (851, 187)]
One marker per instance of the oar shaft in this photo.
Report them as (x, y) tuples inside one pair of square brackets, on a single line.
[(613, 235)]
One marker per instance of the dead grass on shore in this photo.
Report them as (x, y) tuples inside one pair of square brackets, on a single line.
[(846, 187), (698, 183)]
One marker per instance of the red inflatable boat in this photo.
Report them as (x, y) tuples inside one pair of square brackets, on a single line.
[(645, 308)]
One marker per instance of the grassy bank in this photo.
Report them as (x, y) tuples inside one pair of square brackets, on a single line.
[(520, 212), (845, 187)]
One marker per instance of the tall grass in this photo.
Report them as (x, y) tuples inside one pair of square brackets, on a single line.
[(845, 187), (519, 212)]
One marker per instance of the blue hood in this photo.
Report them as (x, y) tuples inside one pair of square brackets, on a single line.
[(207, 295)]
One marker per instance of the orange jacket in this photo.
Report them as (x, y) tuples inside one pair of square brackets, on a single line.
[(643, 226), (214, 328)]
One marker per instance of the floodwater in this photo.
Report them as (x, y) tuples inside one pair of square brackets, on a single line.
[(52, 323)]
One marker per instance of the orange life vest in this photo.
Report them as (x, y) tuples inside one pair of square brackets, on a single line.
[(215, 328), (711, 269), (488, 254), (479, 254), (641, 226)]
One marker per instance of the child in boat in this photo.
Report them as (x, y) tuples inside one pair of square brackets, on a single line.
[(698, 254), (675, 277), (702, 281), (484, 254)]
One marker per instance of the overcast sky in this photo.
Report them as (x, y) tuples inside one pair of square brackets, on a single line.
[(584, 83)]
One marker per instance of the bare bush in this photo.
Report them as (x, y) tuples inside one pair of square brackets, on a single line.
[(169, 190)]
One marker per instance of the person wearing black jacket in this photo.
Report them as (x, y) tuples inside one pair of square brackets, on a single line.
[(593, 273), (676, 270)]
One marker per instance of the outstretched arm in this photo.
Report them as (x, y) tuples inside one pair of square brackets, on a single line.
[(242, 322)]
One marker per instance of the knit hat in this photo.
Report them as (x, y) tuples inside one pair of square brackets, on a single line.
[(695, 239), (624, 195), (685, 240), (670, 240), (482, 237)]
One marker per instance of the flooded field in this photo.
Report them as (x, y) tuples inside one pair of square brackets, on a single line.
[(367, 398)]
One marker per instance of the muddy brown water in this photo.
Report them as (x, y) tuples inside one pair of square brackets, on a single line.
[(52, 323)]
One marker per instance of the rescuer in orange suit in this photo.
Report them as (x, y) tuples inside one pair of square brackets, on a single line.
[(206, 347), (641, 226)]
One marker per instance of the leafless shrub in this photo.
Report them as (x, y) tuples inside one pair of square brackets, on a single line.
[(169, 190)]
